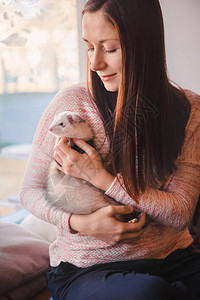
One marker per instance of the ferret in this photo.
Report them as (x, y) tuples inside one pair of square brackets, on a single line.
[(70, 194)]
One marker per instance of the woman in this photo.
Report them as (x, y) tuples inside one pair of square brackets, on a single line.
[(146, 132)]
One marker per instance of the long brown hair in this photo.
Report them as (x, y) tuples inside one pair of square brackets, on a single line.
[(148, 128)]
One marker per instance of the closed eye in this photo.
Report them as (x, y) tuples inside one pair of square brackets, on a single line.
[(111, 51)]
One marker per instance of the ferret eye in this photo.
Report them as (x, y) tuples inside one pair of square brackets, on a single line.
[(61, 124)]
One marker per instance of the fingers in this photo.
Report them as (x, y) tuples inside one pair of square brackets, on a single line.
[(125, 230), (64, 151), (121, 210), (62, 145), (130, 236), (135, 227), (58, 152), (62, 148), (130, 231), (58, 139), (85, 147), (58, 159)]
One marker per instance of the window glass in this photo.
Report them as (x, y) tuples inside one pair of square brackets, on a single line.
[(39, 45), (39, 54)]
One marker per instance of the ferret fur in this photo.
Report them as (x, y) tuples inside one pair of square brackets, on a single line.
[(70, 194), (73, 195)]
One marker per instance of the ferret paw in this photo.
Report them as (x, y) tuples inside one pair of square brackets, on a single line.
[(135, 220)]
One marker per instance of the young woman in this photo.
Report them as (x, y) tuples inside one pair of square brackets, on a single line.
[(146, 158)]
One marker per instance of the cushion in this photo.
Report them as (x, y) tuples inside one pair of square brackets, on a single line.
[(24, 256), (42, 228)]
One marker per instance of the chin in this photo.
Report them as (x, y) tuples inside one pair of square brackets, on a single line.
[(111, 87)]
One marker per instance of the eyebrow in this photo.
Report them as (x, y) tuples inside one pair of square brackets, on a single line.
[(102, 41)]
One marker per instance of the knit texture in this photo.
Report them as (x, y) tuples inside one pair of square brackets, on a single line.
[(170, 208)]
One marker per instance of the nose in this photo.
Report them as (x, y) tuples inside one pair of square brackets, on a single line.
[(97, 61)]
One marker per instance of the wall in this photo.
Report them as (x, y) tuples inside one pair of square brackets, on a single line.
[(182, 34)]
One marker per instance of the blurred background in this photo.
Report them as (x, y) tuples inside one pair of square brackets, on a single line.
[(41, 52)]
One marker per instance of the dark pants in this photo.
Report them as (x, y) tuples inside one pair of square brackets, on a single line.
[(175, 277)]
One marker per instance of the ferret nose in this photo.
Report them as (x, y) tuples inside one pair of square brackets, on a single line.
[(50, 128)]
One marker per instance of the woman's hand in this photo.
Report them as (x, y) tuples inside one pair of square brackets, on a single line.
[(87, 166), (102, 225)]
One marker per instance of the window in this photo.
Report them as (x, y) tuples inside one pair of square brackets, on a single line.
[(41, 52), (39, 45)]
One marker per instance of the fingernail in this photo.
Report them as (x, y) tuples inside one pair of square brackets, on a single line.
[(130, 208)]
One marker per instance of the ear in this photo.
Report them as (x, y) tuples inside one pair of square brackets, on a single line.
[(78, 119), (70, 118), (74, 118)]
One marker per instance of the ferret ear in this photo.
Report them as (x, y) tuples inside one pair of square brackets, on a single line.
[(73, 118), (78, 119), (70, 119)]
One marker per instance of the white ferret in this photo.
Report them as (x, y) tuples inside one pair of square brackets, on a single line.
[(74, 195)]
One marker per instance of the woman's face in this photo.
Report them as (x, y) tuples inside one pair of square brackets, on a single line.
[(104, 49)]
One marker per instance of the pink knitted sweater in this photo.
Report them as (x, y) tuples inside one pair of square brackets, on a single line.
[(171, 208)]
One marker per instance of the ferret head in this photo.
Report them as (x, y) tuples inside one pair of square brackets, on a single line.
[(71, 125)]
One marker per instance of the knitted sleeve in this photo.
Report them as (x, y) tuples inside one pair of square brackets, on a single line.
[(33, 190), (173, 207)]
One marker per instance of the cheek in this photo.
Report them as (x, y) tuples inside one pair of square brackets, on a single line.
[(117, 62), (119, 66)]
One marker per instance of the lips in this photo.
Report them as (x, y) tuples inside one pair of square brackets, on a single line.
[(107, 77)]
